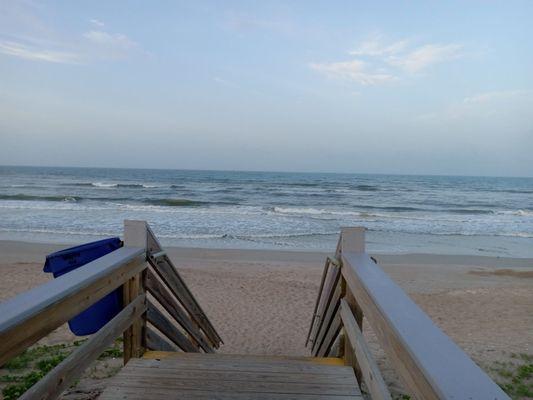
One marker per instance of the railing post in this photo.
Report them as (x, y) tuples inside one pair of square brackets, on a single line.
[(135, 235), (352, 239)]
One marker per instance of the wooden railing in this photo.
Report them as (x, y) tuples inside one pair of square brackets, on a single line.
[(159, 312), (429, 363)]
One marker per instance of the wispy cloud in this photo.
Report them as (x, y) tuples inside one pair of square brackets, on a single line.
[(424, 56), (493, 96), (356, 71), (26, 34), (110, 39), (30, 52), (97, 22), (376, 61)]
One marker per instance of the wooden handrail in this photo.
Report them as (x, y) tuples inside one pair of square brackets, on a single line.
[(72, 367), (430, 364), (31, 315)]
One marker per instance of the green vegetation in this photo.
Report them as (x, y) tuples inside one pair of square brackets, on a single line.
[(23, 371), (515, 377)]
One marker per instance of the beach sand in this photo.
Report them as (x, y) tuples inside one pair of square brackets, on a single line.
[(261, 302)]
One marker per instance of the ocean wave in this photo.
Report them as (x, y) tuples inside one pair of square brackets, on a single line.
[(28, 197), (367, 188), (176, 202)]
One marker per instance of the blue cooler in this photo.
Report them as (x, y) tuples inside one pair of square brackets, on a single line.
[(101, 312)]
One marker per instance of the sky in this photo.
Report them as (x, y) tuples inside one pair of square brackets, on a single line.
[(407, 87)]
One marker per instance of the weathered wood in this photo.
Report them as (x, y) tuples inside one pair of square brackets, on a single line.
[(169, 275), (369, 369), (314, 319), (210, 376), (156, 318), (330, 286), (431, 365), (135, 235), (128, 333), (154, 341), (327, 318), (331, 335), (164, 297), (31, 315), (177, 286), (71, 368)]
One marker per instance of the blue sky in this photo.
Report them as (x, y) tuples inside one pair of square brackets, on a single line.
[(386, 87)]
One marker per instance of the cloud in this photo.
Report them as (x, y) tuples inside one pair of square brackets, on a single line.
[(375, 47), (109, 39), (424, 56), (376, 62), (30, 52), (97, 22), (493, 96), (356, 71)]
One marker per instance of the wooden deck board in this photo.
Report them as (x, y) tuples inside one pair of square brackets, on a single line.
[(216, 376)]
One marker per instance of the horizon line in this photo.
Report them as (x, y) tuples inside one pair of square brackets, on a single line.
[(268, 171)]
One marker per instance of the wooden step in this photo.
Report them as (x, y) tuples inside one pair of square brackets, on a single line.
[(169, 375)]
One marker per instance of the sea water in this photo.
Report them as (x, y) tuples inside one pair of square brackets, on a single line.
[(271, 210)]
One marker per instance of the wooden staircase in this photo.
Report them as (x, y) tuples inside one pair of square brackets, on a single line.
[(173, 375)]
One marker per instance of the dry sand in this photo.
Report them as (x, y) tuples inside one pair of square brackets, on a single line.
[(261, 301)]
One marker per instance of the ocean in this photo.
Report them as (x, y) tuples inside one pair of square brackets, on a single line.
[(271, 210)]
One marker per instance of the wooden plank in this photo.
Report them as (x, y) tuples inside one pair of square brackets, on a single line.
[(212, 363), (333, 331), (431, 365), (151, 355), (156, 342), (369, 369), (31, 315), (159, 393), (316, 378), (72, 367), (193, 308), (326, 320), (314, 319), (127, 335), (164, 297), (325, 297), (135, 235), (157, 380), (169, 275), (156, 318), (329, 301)]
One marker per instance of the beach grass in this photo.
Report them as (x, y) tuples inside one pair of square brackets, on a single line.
[(515, 376), (23, 371)]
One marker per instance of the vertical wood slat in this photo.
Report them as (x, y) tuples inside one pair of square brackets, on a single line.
[(157, 319), (72, 367), (135, 234), (164, 297), (368, 367)]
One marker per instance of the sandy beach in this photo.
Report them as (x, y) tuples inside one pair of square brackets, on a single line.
[(261, 301)]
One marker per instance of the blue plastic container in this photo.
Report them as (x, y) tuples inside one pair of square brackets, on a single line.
[(101, 312)]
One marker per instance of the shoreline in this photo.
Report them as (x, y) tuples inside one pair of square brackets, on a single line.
[(35, 250)]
